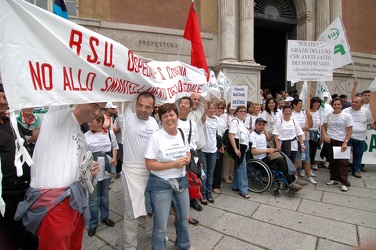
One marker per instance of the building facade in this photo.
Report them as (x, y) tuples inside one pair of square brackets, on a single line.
[(246, 39)]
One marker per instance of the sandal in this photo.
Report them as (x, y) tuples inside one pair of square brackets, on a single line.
[(216, 191), (211, 200), (245, 196), (193, 222), (204, 201)]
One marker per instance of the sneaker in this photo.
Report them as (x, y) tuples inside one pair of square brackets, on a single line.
[(167, 238), (295, 186), (315, 166), (311, 180), (326, 164), (301, 182), (313, 174), (344, 188), (357, 175), (332, 182), (302, 173)]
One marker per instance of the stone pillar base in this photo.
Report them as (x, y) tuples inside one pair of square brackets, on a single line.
[(241, 74)]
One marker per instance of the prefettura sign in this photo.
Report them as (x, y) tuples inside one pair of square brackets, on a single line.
[(309, 61), (47, 60)]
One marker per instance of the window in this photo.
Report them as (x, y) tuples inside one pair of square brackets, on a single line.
[(48, 5)]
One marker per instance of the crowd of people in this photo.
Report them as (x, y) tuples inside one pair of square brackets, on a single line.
[(149, 146)]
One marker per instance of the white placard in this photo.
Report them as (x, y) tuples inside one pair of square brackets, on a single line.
[(309, 61), (239, 96), (339, 154)]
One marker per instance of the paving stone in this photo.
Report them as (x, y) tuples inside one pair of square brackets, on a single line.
[(263, 234), (325, 244), (204, 238), (236, 205), (308, 224), (230, 243), (367, 236), (339, 213), (350, 201)]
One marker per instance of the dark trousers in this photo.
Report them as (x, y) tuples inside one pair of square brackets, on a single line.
[(119, 164), (217, 175), (338, 167), (312, 150), (280, 165), (13, 234)]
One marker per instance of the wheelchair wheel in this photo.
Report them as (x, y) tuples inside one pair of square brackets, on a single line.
[(259, 176), (276, 192)]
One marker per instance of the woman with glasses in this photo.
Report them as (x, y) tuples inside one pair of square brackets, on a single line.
[(222, 126), (238, 135)]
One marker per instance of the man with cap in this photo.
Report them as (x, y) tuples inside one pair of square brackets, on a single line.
[(260, 151)]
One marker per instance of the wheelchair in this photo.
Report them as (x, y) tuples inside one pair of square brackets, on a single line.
[(261, 177)]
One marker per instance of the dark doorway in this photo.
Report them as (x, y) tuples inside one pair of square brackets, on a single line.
[(270, 51)]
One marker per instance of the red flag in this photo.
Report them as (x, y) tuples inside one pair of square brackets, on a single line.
[(192, 33)]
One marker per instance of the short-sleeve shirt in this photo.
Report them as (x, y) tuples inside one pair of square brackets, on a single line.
[(258, 142), (362, 118), (337, 125)]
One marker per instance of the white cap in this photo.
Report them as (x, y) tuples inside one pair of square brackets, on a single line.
[(109, 105), (325, 94), (289, 99)]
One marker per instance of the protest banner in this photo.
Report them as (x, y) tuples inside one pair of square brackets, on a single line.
[(369, 155), (239, 95), (309, 61), (47, 60)]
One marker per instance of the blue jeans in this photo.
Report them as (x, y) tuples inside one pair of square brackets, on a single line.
[(210, 160), (161, 200), (240, 181), (99, 200), (358, 150)]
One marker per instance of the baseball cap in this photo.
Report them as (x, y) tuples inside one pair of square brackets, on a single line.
[(110, 105), (289, 99), (260, 120), (325, 94)]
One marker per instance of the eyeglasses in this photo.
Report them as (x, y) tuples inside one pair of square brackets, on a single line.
[(220, 108), (242, 111), (96, 107)]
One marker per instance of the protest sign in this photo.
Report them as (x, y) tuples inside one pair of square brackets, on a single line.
[(239, 95), (309, 61)]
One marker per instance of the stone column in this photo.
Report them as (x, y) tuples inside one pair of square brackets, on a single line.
[(227, 30), (335, 9), (322, 16), (246, 36)]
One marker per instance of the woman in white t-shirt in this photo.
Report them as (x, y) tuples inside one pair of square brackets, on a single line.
[(222, 126), (209, 152), (336, 132), (271, 114), (238, 136), (254, 111), (228, 163), (286, 134), (100, 144), (314, 132), (166, 155)]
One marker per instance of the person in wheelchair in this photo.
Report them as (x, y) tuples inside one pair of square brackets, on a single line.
[(261, 151)]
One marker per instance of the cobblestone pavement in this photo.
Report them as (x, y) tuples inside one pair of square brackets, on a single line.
[(317, 217)]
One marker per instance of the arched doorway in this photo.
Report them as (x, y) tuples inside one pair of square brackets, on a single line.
[(275, 23)]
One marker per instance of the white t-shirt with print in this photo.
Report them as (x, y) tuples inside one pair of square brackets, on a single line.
[(185, 127), (136, 133), (240, 131), (271, 119), (210, 131), (258, 142), (252, 118), (164, 147), (300, 118), (59, 150), (288, 130), (361, 118), (337, 125), (100, 142), (317, 120), (222, 125)]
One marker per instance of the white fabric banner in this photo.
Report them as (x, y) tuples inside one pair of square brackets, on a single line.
[(224, 83), (336, 34), (213, 85), (48, 60), (372, 87), (309, 61), (369, 155), (304, 94)]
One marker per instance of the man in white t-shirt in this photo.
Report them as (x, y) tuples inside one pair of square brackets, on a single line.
[(137, 128), (195, 115), (60, 149), (362, 118)]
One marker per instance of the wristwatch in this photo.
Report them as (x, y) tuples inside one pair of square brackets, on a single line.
[(346, 141)]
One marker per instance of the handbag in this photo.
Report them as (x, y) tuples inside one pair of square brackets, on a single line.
[(194, 185), (275, 155)]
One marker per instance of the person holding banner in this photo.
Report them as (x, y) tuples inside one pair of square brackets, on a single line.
[(336, 132), (362, 119), (137, 128), (13, 234), (55, 178)]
